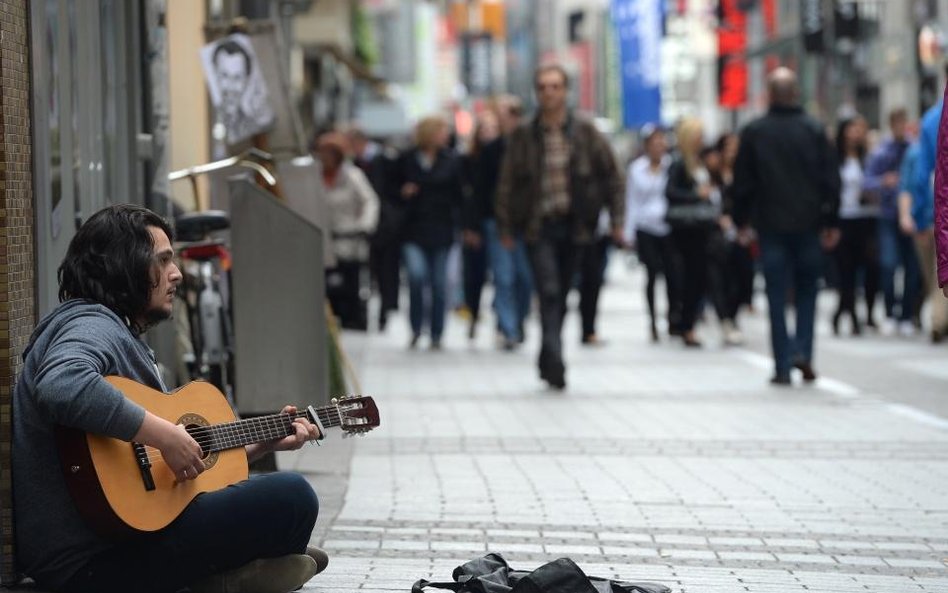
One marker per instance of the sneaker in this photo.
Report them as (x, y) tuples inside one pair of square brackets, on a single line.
[(907, 329), (889, 327), (732, 335), (809, 375), (266, 575)]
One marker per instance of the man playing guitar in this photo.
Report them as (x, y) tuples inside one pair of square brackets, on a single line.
[(118, 279)]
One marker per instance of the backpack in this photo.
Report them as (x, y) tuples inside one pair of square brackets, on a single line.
[(491, 574)]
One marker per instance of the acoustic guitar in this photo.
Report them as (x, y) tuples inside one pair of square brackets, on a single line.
[(124, 488)]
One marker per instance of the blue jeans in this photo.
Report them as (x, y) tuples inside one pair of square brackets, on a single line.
[(898, 249), (791, 261), (513, 282), (264, 517), (427, 269)]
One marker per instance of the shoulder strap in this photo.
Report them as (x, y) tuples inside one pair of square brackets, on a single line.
[(421, 584)]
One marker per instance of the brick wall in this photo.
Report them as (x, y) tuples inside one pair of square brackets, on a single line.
[(16, 236)]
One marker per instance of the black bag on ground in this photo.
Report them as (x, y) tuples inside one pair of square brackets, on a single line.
[(491, 574)]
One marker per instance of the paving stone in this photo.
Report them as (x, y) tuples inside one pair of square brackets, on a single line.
[(513, 548), (805, 558), (735, 541), (521, 533), (571, 549), (784, 542), (461, 546), (344, 544), (861, 560), (624, 537), (915, 563), (569, 534), (846, 544), (690, 540), (692, 554), (751, 556), (403, 545), (619, 551), (896, 546)]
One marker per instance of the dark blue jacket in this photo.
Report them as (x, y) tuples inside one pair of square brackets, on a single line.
[(887, 158)]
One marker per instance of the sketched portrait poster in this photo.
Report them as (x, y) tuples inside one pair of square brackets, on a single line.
[(237, 88)]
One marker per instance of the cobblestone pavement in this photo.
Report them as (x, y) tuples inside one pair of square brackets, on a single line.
[(658, 463)]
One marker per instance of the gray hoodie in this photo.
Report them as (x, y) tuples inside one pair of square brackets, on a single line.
[(70, 352)]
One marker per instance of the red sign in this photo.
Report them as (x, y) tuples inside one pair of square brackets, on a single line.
[(732, 67), (583, 56)]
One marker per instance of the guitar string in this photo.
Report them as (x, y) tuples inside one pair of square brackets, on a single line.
[(260, 429), (229, 434)]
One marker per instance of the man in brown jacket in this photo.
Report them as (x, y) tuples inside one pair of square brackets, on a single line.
[(557, 176)]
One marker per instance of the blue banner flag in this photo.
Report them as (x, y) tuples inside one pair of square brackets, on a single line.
[(638, 26)]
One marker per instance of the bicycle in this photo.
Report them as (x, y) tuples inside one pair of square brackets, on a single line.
[(205, 290)]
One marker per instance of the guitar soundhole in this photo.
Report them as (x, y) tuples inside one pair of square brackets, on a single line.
[(195, 426)]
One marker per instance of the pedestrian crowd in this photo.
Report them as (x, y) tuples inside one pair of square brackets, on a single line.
[(536, 205)]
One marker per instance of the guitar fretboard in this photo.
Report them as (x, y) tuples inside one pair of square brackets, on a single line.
[(260, 429)]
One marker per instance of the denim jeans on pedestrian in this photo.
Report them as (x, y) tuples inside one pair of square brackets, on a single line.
[(897, 249), (554, 256), (791, 261), (513, 282), (427, 273), (264, 517)]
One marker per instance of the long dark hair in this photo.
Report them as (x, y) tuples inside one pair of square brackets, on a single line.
[(841, 130), (109, 261)]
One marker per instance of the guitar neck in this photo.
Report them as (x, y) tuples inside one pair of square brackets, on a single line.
[(260, 429)]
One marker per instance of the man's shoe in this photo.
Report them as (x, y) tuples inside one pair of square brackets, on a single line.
[(266, 575), (809, 375), (555, 377), (319, 556), (781, 380), (557, 383), (592, 340), (690, 340)]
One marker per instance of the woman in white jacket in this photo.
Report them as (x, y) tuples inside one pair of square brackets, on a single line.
[(646, 228), (353, 214)]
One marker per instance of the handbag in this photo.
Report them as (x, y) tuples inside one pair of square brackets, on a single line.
[(492, 574), (703, 213)]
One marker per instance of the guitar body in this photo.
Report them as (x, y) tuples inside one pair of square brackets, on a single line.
[(107, 483)]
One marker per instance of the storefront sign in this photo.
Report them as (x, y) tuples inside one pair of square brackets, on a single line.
[(732, 67), (638, 26), (811, 24)]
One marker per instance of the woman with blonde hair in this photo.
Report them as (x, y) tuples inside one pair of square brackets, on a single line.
[(429, 180), (693, 210)]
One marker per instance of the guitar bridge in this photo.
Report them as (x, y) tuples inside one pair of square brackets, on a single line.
[(144, 465)]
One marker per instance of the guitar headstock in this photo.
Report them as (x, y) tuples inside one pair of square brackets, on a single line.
[(358, 414)]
